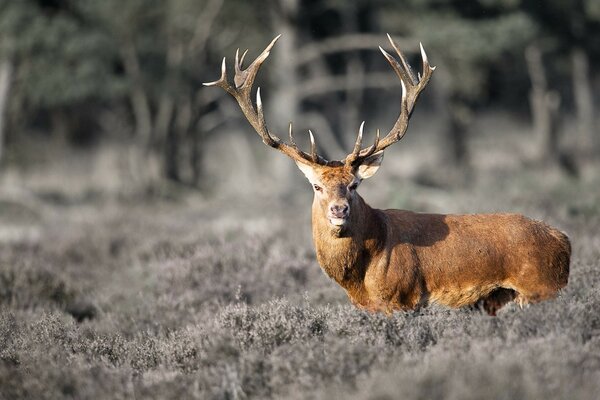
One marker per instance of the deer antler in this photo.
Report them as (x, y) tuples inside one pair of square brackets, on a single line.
[(411, 88), (243, 81)]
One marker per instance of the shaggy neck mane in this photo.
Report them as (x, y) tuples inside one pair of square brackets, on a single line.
[(344, 253)]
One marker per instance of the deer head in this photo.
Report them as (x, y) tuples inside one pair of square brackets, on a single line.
[(334, 182), (335, 186)]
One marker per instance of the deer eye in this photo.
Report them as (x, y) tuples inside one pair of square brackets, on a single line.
[(317, 188), (353, 186)]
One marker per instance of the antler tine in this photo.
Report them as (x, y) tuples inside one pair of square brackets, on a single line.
[(427, 68), (398, 69), (242, 58), (357, 155), (222, 81), (405, 64), (313, 148), (373, 147), (357, 144), (351, 158), (292, 142), (236, 64), (244, 79), (262, 130)]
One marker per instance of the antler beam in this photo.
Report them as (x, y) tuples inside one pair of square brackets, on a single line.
[(412, 86), (243, 81)]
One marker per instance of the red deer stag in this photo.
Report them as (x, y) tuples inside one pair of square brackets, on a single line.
[(390, 260)]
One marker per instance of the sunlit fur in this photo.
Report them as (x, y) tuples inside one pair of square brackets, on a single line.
[(390, 260)]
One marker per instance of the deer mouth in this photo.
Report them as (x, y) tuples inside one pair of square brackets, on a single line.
[(336, 221)]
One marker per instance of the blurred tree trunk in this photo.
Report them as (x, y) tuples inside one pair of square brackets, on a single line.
[(6, 73), (285, 102), (330, 138), (184, 125), (192, 107), (584, 103), (171, 156), (59, 121), (457, 117), (140, 102), (142, 164), (355, 71), (196, 158), (175, 119), (166, 135), (206, 122), (544, 106), (460, 118)]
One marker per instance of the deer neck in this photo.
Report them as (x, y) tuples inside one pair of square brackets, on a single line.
[(344, 254)]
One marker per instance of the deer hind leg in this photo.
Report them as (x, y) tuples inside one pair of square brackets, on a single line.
[(523, 298), (497, 299), (537, 290)]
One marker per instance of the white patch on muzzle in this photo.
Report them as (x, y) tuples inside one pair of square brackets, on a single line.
[(337, 221)]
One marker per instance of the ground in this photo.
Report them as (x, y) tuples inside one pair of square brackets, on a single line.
[(222, 298)]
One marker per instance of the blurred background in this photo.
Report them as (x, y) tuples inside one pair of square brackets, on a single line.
[(105, 99), (151, 246)]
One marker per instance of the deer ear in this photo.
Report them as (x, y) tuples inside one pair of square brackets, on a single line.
[(370, 165), (308, 171)]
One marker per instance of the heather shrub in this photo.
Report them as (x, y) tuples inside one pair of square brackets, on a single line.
[(188, 304)]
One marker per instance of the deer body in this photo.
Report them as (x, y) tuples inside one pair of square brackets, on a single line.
[(411, 259), (390, 260)]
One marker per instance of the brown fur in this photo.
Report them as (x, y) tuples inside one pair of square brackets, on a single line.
[(390, 260)]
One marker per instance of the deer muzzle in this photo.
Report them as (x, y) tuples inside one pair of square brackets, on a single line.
[(338, 213)]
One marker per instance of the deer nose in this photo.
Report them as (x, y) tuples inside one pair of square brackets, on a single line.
[(339, 210)]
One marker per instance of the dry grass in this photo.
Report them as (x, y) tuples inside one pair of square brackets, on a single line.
[(170, 299)]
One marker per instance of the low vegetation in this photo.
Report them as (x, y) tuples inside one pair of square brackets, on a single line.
[(169, 299)]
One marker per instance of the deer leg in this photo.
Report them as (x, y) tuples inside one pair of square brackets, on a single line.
[(523, 299), (497, 299)]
